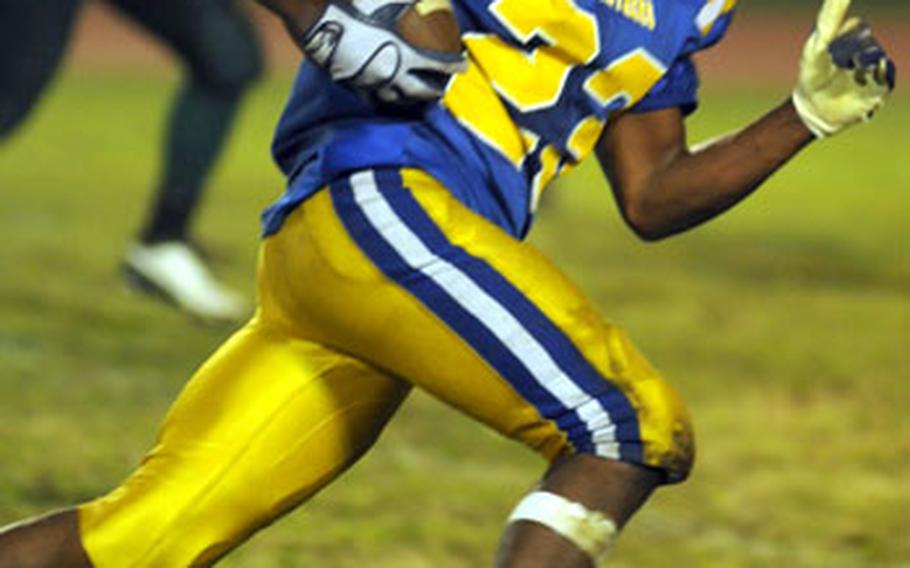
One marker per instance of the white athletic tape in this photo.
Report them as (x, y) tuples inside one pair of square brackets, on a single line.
[(589, 530), (425, 7)]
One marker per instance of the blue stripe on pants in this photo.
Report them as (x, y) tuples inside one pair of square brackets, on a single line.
[(375, 242)]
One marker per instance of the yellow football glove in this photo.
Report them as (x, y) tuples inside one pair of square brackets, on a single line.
[(844, 76)]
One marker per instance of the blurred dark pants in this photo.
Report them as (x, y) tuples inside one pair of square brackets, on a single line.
[(219, 52)]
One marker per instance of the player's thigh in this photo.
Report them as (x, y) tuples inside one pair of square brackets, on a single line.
[(33, 38), (214, 38), (399, 272), (264, 424)]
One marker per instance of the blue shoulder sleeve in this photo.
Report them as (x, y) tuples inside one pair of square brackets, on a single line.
[(677, 88)]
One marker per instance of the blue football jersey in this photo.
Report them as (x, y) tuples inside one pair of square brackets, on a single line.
[(543, 79)]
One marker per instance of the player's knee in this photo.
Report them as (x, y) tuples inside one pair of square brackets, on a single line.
[(668, 439), (232, 69), (651, 429), (233, 78), (663, 427)]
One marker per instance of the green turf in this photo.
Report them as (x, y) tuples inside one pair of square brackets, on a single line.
[(784, 324)]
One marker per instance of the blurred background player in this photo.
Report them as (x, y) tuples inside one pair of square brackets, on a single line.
[(221, 58)]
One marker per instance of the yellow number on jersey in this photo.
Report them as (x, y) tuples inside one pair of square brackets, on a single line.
[(534, 80)]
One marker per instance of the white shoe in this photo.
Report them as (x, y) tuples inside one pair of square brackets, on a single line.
[(175, 271)]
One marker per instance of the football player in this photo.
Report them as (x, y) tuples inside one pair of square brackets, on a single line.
[(395, 259), (217, 46)]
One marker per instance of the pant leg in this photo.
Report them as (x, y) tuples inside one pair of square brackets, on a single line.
[(218, 49), (394, 270), (214, 39), (33, 38), (264, 424)]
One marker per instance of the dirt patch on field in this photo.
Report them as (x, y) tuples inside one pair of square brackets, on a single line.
[(761, 47)]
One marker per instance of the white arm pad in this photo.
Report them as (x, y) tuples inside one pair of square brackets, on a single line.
[(590, 531)]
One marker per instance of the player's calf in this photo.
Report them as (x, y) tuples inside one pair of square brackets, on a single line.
[(586, 498), (572, 519)]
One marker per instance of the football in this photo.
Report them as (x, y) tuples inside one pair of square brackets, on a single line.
[(431, 24)]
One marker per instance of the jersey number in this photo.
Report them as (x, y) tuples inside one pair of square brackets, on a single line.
[(559, 37)]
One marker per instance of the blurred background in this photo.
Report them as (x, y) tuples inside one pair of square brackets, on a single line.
[(785, 324)]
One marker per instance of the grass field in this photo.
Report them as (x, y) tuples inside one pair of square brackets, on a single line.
[(785, 325)]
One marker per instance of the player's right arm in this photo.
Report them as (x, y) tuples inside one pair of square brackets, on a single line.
[(663, 187), (361, 43)]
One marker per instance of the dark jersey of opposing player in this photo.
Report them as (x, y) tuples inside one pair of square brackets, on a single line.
[(543, 79)]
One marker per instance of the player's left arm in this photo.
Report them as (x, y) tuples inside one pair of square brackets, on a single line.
[(663, 187)]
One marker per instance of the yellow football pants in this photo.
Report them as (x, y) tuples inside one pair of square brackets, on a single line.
[(377, 283)]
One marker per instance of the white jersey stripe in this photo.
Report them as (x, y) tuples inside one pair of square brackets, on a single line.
[(709, 14), (491, 313)]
